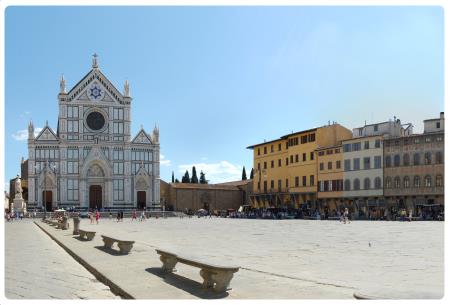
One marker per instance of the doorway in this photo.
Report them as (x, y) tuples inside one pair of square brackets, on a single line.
[(47, 198), (95, 197), (141, 200)]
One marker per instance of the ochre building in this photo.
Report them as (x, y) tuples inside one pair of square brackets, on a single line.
[(285, 169)]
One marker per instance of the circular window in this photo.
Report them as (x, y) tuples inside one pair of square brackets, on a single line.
[(95, 120)]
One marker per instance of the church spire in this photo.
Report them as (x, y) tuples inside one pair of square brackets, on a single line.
[(31, 130), (126, 89), (94, 61), (62, 84)]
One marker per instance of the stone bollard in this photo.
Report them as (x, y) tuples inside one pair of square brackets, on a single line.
[(76, 225), (64, 224)]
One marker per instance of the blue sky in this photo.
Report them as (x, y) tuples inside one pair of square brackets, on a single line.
[(217, 79)]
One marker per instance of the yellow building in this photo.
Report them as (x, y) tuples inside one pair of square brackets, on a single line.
[(330, 176), (285, 170)]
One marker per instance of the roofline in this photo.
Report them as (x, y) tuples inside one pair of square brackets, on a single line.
[(432, 119), (361, 137), (416, 135), (286, 136)]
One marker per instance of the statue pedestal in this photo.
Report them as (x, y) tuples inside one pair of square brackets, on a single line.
[(19, 204)]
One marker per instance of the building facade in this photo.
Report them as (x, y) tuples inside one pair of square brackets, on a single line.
[(330, 173), (91, 161), (285, 170), (414, 170)]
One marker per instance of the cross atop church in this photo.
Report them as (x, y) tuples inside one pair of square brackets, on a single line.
[(94, 61)]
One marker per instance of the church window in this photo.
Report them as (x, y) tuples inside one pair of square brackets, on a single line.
[(118, 168), (118, 189), (72, 126), (72, 111), (118, 114), (72, 167), (117, 127), (72, 189), (72, 153), (118, 154)]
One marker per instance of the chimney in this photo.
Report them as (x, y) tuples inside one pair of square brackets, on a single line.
[(442, 115)]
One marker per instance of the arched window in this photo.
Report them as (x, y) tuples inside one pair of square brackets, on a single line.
[(377, 182), (397, 182), (416, 159), (356, 184), (406, 159), (427, 158), (388, 161), (367, 184), (438, 157), (397, 160), (439, 180), (406, 182), (416, 181), (388, 182), (347, 185), (427, 181)]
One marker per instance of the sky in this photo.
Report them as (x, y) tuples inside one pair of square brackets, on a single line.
[(218, 79)]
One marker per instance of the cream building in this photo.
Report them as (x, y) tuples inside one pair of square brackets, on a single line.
[(91, 160)]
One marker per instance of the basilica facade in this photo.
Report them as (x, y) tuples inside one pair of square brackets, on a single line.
[(91, 160)]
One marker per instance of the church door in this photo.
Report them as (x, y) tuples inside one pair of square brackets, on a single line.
[(47, 195), (141, 199), (95, 197)]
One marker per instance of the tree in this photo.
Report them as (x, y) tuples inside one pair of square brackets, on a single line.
[(177, 181), (186, 178), (202, 178), (173, 177), (194, 178), (244, 174), (251, 174)]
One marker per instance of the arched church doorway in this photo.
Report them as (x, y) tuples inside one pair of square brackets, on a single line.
[(141, 200), (47, 198), (95, 197)]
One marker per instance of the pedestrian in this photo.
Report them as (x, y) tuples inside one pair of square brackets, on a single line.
[(133, 217), (21, 215), (118, 216), (91, 218), (121, 216), (142, 216), (346, 216), (110, 216), (97, 216)]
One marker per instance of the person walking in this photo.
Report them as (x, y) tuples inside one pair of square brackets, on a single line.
[(346, 216), (118, 216), (110, 216), (134, 216), (97, 216), (121, 216), (142, 216)]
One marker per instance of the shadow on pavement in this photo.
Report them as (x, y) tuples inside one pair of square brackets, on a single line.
[(186, 284), (110, 251)]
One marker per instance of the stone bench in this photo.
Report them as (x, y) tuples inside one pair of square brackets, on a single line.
[(216, 277), (125, 246), (86, 235)]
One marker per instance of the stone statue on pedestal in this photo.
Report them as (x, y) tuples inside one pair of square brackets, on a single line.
[(19, 202)]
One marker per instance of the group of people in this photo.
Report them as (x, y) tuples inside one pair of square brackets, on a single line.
[(94, 215), (13, 215), (142, 217)]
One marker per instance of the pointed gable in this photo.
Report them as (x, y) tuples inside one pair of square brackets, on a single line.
[(142, 138), (46, 134), (95, 77)]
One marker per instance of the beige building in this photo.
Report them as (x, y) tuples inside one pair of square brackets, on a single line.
[(193, 196), (414, 170)]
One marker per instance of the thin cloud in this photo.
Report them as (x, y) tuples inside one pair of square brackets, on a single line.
[(164, 161), (22, 135), (222, 171)]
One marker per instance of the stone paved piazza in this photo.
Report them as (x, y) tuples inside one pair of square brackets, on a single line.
[(278, 258)]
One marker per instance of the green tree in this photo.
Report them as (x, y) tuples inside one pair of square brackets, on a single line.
[(251, 174), (173, 177), (194, 178), (186, 178), (244, 174), (202, 178), (177, 181)]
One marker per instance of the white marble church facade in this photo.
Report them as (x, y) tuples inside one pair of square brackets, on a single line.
[(91, 161)]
